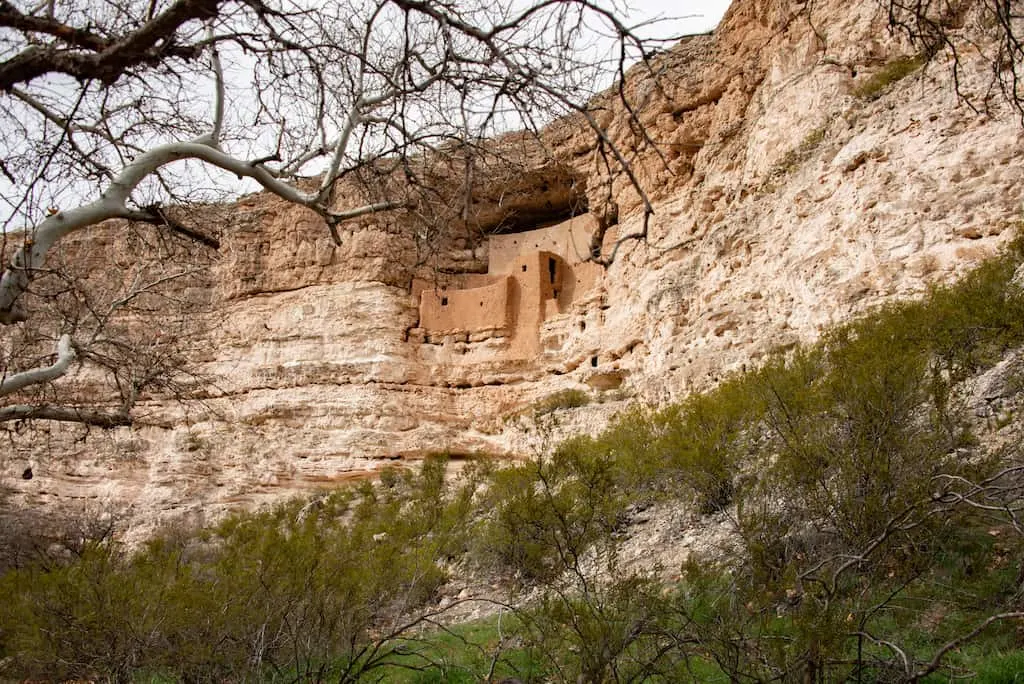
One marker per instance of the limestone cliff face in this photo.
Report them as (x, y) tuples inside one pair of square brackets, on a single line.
[(790, 194)]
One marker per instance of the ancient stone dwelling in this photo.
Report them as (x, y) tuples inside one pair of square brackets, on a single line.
[(531, 276)]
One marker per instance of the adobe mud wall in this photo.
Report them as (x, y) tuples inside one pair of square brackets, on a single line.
[(538, 277), (569, 239), (544, 270), (472, 310)]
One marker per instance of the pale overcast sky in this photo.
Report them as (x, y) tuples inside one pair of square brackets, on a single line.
[(703, 15), (673, 18)]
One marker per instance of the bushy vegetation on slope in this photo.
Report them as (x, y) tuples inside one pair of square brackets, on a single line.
[(874, 538), (299, 592)]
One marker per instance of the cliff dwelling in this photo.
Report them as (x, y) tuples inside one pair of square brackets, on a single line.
[(531, 276)]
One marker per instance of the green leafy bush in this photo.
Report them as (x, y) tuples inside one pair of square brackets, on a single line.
[(306, 589), (618, 631), (542, 516), (706, 438)]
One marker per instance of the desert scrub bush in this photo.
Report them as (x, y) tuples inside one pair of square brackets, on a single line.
[(306, 588), (603, 632), (852, 433), (893, 71), (629, 444), (855, 428), (695, 446), (541, 517), (970, 324), (850, 443), (563, 399), (80, 619), (704, 439), (486, 649), (801, 630)]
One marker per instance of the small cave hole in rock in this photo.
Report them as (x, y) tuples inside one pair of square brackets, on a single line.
[(554, 294), (481, 303), (26, 474), (444, 301), (524, 268), (552, 266), (593, 362), (583, 326)]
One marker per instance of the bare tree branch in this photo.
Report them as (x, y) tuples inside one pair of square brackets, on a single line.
[(936, 660), (103, 59), (66, 414), (348, 109), (37, 376)]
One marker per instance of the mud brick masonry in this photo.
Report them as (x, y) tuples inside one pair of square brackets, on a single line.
[(530, 277)]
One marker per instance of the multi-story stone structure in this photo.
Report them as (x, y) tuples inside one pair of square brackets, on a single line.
[(531, 276)]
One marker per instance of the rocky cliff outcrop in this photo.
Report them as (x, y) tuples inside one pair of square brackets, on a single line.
[(791, 188)]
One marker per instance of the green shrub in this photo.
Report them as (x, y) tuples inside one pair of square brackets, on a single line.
[(970, 324), (563, 399), (303, 588), (602, 633), (630, 442), (894, 71), (542, 516), (705, 439)]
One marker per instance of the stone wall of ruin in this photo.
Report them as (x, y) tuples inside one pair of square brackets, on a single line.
[(535, 285), (545, 270), (570, 239), (470, 310)]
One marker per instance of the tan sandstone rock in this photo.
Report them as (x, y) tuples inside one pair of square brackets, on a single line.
[(784, 203)]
